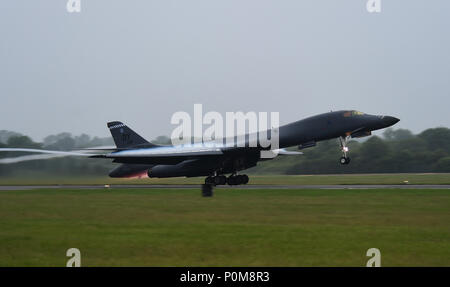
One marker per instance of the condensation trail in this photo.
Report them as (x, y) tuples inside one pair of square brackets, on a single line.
[(46, 154), (29, 157)]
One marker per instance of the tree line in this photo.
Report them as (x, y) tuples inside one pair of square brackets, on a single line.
[(395, 151)]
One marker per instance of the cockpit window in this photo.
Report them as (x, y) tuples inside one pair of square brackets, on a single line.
[(353, 113)]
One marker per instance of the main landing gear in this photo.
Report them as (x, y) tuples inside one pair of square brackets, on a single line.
[(207, 190), (211, 181), (237, 179), (343, 142), (234, 179)]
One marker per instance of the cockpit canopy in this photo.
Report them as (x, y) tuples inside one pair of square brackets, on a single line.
[(353, 113)]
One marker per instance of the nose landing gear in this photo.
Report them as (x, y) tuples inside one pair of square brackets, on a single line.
[(344, 160), (343, 142)]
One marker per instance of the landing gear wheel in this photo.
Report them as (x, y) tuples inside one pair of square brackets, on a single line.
[(343, 143), (344, 160), (246, 179), (231, 180), (216, 180), (220, 180), (237, 179), (209, 180), (207, 190)]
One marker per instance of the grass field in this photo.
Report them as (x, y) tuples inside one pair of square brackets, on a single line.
[(390, 178), (171, 227)]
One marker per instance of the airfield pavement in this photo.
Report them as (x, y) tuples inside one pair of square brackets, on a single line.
[(254, 186)]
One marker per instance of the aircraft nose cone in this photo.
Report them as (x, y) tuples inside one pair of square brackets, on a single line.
[(389, 121)]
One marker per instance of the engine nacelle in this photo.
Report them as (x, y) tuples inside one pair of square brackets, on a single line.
[(187, 168), (130, 170)]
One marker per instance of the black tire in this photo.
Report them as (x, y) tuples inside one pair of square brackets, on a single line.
[(209, 180), (231, 180), (207, 190), (224, 180), (343, 160), (246, 179)]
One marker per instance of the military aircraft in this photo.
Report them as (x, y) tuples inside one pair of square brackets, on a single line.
[(139, 157)]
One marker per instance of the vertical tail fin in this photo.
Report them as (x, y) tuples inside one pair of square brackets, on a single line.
[(125, 137)]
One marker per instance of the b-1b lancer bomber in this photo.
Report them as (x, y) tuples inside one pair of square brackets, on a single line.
[(137, 156)]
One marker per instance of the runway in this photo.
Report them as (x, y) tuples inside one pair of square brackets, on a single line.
[(250, 186)]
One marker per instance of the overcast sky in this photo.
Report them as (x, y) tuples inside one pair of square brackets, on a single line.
[(141, 61)]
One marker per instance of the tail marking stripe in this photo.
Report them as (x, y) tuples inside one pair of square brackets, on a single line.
[(116, 126)]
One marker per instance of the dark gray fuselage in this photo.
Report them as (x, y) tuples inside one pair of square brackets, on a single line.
[(309, 130), (330, 125)]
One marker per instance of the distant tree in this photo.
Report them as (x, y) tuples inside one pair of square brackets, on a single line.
[(163, 140), (436, 138), (66, 143), (22, 142), (82, 140), (96, 141), (400, 134), (52, 139), (2, 154), (443, 165), (375, 148), (5, 135)]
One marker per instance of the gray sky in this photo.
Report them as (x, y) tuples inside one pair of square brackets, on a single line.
[(141, 61)]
